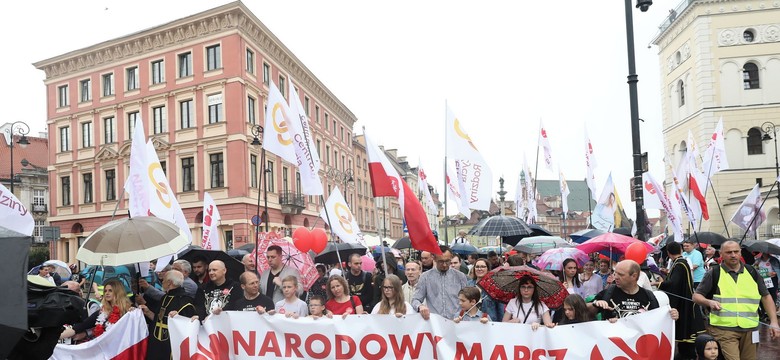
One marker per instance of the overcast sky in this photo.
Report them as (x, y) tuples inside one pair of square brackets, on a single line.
[(501, 65)]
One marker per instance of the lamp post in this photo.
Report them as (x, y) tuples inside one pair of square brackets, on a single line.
[(19, 128), (770, 126), (257, 132), (343, 177), (643, 5)]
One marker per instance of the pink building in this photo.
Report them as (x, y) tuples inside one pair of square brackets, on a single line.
[(199, 84)]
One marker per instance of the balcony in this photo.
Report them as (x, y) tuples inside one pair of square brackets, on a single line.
[(40, 208), (291, 202)]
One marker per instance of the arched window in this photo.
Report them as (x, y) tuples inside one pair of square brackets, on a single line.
[(754, 144), (750, 76), (681, 91)]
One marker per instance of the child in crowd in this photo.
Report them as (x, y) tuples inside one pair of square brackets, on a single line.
[(574, 310), (317, 307), (469, 311), (291, 305), (707, 348)]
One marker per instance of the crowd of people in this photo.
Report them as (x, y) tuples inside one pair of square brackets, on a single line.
[(714, 298)]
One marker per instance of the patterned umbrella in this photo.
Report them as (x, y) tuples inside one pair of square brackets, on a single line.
[(553, 259), (612, 242), (291, 257), (501, 225), (540, 244), (503, 283)]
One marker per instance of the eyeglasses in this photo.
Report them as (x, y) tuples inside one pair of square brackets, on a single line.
[(443, 261), (387, 288)]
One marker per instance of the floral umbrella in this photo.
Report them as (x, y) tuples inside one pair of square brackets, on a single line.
[(503, 283), (553, 259), (291, 257)]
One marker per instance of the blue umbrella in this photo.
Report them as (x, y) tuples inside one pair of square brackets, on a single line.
[(463, 249)]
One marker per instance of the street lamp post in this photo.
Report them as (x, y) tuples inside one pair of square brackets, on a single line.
[(767, 127), (643, 5), (20, 128), (257, 132), (343, 177)]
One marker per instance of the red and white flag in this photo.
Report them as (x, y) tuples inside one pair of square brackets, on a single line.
[(656, 192), (715, 156), (472, 167), (590, 163), (422, 181), (211, 218), (343, 223), (750, 215), (137, 185), (125, 340), (385, 181), (564, 193), (544, 142)]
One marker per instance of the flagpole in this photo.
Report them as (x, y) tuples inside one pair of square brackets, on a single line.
[(758, 211), (536, 168), (590, 212), (446, 188)]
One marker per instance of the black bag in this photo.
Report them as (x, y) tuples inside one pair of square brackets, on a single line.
[(52, 306)]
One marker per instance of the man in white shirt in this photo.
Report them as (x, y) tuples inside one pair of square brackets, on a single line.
[(461, 239), (413, 269)]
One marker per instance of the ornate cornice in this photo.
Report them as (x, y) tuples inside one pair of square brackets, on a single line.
[(230, 17)]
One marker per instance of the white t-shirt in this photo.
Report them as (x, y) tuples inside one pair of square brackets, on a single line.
[(520, 311), (299, 306), (409, 310)]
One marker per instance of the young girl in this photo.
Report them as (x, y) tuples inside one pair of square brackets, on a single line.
[(526, 308), (469, 296), (569, 277), (392, 298), (707, 348), (291, 305), (574, 310), (317, 307), (339, 300)]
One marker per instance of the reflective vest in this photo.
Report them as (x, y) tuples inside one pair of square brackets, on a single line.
[(738, 300)]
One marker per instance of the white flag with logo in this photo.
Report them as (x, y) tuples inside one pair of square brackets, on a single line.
[(423, 185), (564, 193), (137, 184), (343, 223), (277, 132), (162, 200), (544, 142), (750, 215), (307, 158), (13, 214), (655, 191), (590, 163), (715, 156), (472, 167), (211, 218), (455, 188)]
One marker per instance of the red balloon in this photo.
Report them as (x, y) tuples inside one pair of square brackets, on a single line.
[(319, 240), (302, 239), (637, 252)]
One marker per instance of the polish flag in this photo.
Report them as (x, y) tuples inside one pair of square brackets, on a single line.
[(125, 340), (715, 156), (385, 181)]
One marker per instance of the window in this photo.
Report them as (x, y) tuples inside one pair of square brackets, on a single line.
[(187, 174), (334, 127), (283, 86), (253, 171), (327, 154), (158, 72), (185, 111), (65, 185), (85, 87), (108, 130), (215, 108), (159, 119), (213, 61), (185, 64), (111, 184), (319, 148), (754, 144), (86, 134), (306, 105), (250, 61), (341, 133), (750, 76), (298, 181), (132, 78), (681, 92), (357, 163), (131, 119), (87, 188), (269, 176), (108, 84), (39, 197), (65, 138), (266, 73), (62, 96), (251, 105), (317, 113), (335, 158), (164, 167), (748, 35), (285, 179), (217, 170), (326, 121)]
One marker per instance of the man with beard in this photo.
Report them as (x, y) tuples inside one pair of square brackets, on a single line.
[(218, 292), (200, 268), (252, 300), (360, 282), (679, 282), (175, 302)]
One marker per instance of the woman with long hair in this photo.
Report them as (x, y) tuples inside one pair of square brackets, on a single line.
[(569, 278), (113, 306), (392, 301), (490, 306), (339, 301), (574, 310), (526, 308)]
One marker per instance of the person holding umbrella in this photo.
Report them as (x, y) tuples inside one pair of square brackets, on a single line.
[(527, 308), (490, 306)]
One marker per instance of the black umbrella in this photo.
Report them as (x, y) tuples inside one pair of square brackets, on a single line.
[(13, 266), (237, 254), (622, 231), (761, 246), (708, 237), (403, 243), (538, 230), (234, 267), (585, 235), (248, 247), (333, 251), (501, 225), (463, 249)]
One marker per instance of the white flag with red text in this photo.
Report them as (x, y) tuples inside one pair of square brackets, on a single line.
[(211, 219), (590, 163), (422, 181), (385, 181), (564, 193), (342, 222), (715, 156), (137, 184), (655, 191), (473, 170), (544, 142), (749, 216)]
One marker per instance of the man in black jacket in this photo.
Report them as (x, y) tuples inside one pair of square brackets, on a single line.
[(175, 302), (360, 282)]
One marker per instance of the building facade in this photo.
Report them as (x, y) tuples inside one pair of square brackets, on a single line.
[(721, 60), (199, 86)]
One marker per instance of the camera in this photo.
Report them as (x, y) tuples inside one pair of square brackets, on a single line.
[(643, 5)]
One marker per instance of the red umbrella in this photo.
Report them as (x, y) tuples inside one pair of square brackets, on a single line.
[(611, 242), (503, 283), (294, 258)]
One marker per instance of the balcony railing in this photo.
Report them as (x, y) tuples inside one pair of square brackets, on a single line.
[(292, 202), (39, 208)]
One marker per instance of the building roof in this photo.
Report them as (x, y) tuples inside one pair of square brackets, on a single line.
[(578, 195), (36, 153)]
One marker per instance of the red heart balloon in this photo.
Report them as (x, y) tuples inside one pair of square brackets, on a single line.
[(319, 240), (302, 239), (637, 252)]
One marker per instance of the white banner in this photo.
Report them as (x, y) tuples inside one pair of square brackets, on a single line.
[(136, 184), (211, 218), (343, 223), (13, 214), (241, 335)]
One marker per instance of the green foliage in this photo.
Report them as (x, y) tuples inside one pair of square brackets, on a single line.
[(38, 255)]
